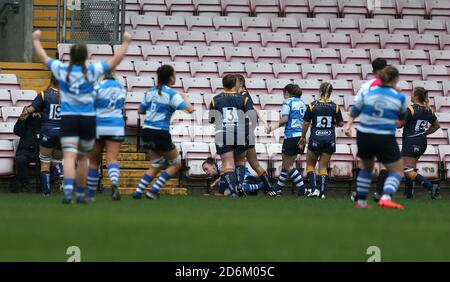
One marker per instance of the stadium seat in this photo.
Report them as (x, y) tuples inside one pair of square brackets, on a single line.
[(366, 72), (146, 68), (444, 119), (196, 85), (204, 69), (295, 55), (315, 71), (289, 25), (324, 8), (210, 54), (389, 54), (355, 56), (434, 88), (183, 53), (305, 40), (132, 5), (206, 133), (133, 100), (432, 27), (219, 38), (156, 7), (342, 163), (387, 9), (164, 37), (194, 154), (7, 166), (155, 53), (140, 36), (310, 87), (414, 57), (442, 104), (216, 84), (256, 85), (7, 131), (266, 55), (376, 26), (139, 83), (180, 7), (145, 22), (357, 85), (196, 38), (438, 57), (275, 39), (402, 26), (346, 71), (125, 68), (196, 100), (424, 41), (22, 98), (239, 54), (341, 88), (99, 52), (364, 41), (314, 25), (230, 24), (286, 70), (438, 9), (5, 98), (274, 152), (181, 117), (276, 86), (180, 133), (394, 41), (199, 23), (265, 8), (435, 73), (273, 101), (409, 72), (353, 8), (263, 157), (344, 25), (240, 8), (64, 51), (446, 88), (230, 68), (246, 39), (444, 42), (439, 137), (7, 149), (259, 70), (444, 152), (344, 139), (172, 23), (207, 7), (134, 52), (181, 68), (414, 9), (11, 114), (8, 81), (256, 24), (429, 164), (325, 56), (294, 8), (335, 40)]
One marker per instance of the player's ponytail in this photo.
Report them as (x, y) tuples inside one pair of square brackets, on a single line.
[(78, 56), (241, 79), (388, 75), (293, 90), (325, 90), (421, 94), (165, 74)]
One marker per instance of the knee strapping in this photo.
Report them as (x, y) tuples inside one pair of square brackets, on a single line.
[(159, 163), (45, 162), (176, 161), (85, 146), (410, 173)]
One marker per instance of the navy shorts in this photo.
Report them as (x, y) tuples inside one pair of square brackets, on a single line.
[(290, 147), (83, 127), (238, 149), (383, 147), (112, 138), (318, 147), (157, 140), (50, 138), (414, 147)]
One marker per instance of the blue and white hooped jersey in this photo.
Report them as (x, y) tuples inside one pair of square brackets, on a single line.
[(109, 102), (160, 107), (379, 109), (247, 171), (294, 108), (77, 93)]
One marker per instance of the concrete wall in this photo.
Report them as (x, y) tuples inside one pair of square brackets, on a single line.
[(17, 46)]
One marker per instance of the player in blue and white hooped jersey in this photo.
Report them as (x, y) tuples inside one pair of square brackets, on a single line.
[(76, 82), (292, 119), (109, 103), (159, 104), (47, 103), (378, 110)]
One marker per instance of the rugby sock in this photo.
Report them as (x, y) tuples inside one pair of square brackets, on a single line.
[(312, 178), (391, 185), (80, 192), (114, 172), (45, 182), (240, 173), (262, 174), (409, 186), (230, 179), (59, 169), (145, 180), (162, 179), (281, 180), (381, 179), (251, 187), (92, 181), (323, 182), (297, 178), (424, 182), (222, 185), (363, 182), (68, 188)]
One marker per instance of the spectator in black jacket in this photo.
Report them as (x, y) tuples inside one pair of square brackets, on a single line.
[(27, 128)]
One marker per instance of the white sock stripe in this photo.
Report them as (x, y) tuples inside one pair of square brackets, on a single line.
[(393, 180), (144, 182), (363, 179), (298, 179)]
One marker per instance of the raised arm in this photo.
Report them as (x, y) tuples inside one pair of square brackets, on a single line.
[(40, 51), (189, 108), (118, 57)]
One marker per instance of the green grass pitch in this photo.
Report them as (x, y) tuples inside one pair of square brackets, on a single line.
[(199, 228)]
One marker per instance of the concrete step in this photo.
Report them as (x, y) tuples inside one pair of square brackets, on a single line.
[(133, 182), (129, 157)]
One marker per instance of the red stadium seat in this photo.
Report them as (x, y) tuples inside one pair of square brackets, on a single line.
[(440, 57), (274, 152), (164, 37), (181, 68), (402, 26), (145, 22), (414, 57), (230, 67), (133, 100), (201, 23), (194, 154), (389, 54), (266, 55), (424, 41), (355, 56), (347, 72), (172, 23), (438, 9), (286, 70), (315, 71), (446, 88), (310, 87), (276, 85), (216, 84), (435, 73), (409, 72), (434, 88), (428, 166), (155, 53), (325, 55), (345, 25), (342, 163), (256, 85), (11, 114), (335, 40), (377, 26), (5, 98), (364, 41), (411, 8), (305, 40), (139, 84), (210, 54), (219, 38), (180, 133), (140, 36), (230, 24), (272, 102), (183, 53), (366, 72), (439, 137), (8, 81), (180, 7), (146, 68), (444, 152), (394, 41), (444, 42), (22, 98), (295, 55), (7, 130), (196, 85), (442, 104), (294, 8), (324, 8), (315, 25), (341, 88), (246, 39), (239, 8), (256, 24), (405, 86), (259, 70), (195, 38), (432, 27), (387, 9), (204, 69), (207, 7), (290, 25), (134, 52), (353, 8), (275, 39), (203, 133), (239, 54), (265, 8), (157, 7)]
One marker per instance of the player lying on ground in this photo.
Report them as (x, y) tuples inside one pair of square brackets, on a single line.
[(159, 104)]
